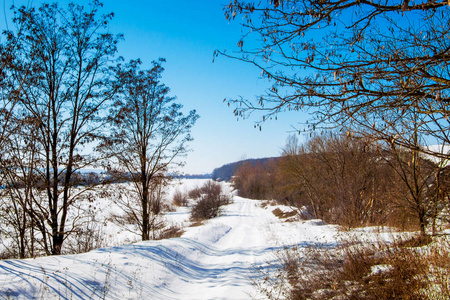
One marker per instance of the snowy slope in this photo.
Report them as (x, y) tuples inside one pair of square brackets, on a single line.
[(216, 260)]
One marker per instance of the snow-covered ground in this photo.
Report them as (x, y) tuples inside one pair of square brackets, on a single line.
[(216, 260)]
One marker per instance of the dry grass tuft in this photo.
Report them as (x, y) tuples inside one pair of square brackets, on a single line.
[(364, 271), (284, 214), (171, 232), (415, 241), (180, 199)]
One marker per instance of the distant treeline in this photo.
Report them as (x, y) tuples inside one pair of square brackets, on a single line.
[(197, 176), (226, 172)]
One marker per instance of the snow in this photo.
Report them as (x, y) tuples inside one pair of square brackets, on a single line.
[(216, 260), (444, 149), (378, 270)]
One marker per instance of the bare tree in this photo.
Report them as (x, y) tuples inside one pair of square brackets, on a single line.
[(19, 164), (416, 175), (15, 146), (59, 69), (365, 65), (8, 102), (340, 179), (150, 134)]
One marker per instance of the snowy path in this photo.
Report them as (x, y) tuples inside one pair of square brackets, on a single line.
[(212, 261), (230, 247)]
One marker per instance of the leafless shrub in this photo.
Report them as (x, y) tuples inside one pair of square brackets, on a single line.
[(86, 238), (209, 203), (206, 208), (180, 198)]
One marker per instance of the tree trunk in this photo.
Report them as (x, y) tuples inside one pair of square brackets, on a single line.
[(145, 212), (423, 222)]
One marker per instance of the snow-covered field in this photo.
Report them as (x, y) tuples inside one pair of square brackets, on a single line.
[(216, 260)]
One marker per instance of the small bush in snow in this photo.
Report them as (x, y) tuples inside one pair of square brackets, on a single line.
[(180, 198), (209, 200)]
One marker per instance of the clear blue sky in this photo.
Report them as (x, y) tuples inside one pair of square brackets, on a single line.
[(186, 33)]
